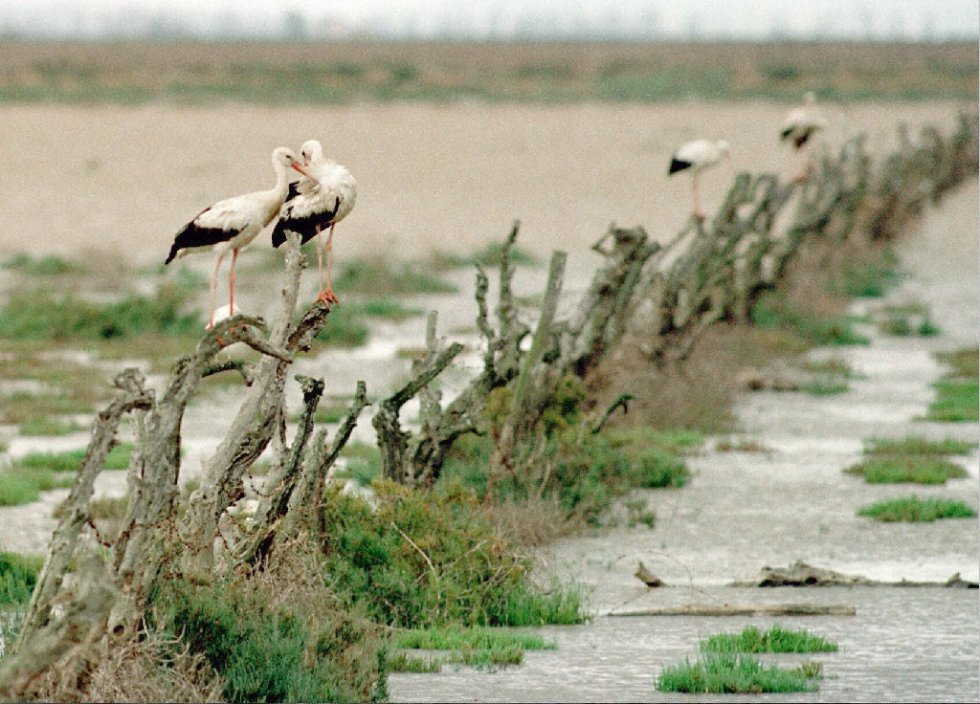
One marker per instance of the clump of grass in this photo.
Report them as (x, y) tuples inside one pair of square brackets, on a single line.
[(385, 308), (826, 387), (958, 394), (908, 320), (344, 328), (917, 445), (917, 469), (963, 363), (326, 412), (474, 637), (403, 662), (582, 471), (47, 426), (957, 400), (20, 485), (475, 646), (64, 385), (380, 276), (915, 510), (774, 640), (869, 279), (269, 652), (423, 559), (71, 460), (491, 255), (740, 445), (637, 513), (18, 575), (833, 366), (41, 315), (108, 508), (48, 265), (773, 311), (363, 462), (731, 673)]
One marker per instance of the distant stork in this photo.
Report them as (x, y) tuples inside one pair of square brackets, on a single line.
[(799, 126), (232, 223), (697, 156), (314, 204)]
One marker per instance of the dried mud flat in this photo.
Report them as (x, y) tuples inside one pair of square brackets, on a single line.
[(431, 177)]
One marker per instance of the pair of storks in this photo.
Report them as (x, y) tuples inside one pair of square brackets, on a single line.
[(317, 202), (797, 129), (327, 191)]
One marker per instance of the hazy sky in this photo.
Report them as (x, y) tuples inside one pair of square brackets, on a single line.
[(748, 19)]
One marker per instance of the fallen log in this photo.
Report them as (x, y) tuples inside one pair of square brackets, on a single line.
[(790, 609)]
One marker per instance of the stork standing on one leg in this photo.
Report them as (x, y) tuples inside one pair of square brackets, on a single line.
[(696, 156), (323, 199), (232, 223), (798, 128)]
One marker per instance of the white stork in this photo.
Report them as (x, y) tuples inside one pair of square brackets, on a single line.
[(232, 223), (696, 156), (325, 198), (799, 126)]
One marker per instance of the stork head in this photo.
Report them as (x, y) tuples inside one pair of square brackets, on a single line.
[(284, 157), (311, 151)]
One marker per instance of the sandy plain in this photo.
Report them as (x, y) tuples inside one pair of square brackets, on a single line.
[(448, 177)]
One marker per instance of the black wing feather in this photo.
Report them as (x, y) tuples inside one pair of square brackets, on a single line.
[(195, 236), (305, 227), (678, 165)]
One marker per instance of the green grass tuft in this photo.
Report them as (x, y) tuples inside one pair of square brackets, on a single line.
[(48, 265), (915, 510), (731, 673), (422, 559), (18, 575), (868, 279), (957, 400), (964, 362), (480, 647), (774, 640), (917, 469), (46, 426), (491, 255), (917, 445), (71, 460), (379, 276), (477, 637), (772, 311), (20, 485), (41, 315), (265, 653), (958, 393)]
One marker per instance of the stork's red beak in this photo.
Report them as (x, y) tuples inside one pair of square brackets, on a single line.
[(302, 169)]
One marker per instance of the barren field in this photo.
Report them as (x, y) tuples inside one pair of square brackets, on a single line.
[(431, 177)]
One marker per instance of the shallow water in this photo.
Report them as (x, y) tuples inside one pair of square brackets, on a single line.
[(904, 644), (745, 510)]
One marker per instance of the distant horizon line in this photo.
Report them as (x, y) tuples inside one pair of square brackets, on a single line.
[(509, 39)]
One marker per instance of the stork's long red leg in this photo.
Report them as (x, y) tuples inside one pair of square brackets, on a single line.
[(214, 288), (231, 283), (694, 191), (319, 262), (329, 293), (326, 294)]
